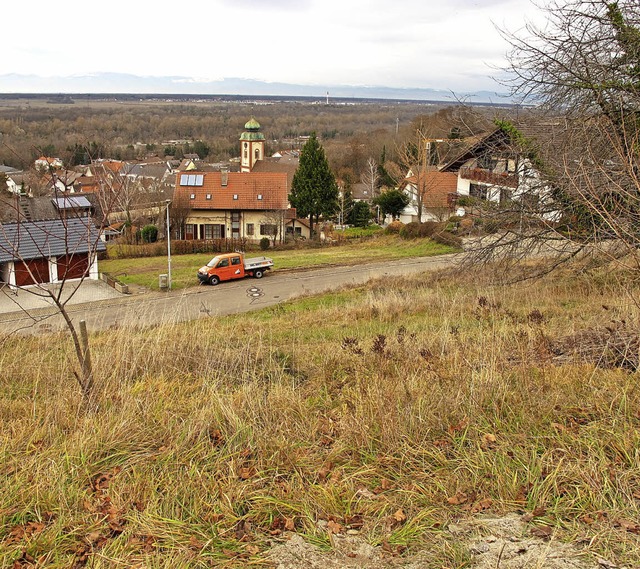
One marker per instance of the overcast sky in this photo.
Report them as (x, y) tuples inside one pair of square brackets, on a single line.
[(442, 44)]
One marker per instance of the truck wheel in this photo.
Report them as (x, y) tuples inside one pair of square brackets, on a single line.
[(213, 280), (258, 273)]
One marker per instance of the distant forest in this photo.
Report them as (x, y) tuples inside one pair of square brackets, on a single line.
[(135, 127)]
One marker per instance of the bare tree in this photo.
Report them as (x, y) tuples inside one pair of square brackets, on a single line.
[(581, 69), (371, 178), (48, 246), (272, 225)]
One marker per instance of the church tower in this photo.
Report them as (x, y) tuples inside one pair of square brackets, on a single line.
[(251, 145)]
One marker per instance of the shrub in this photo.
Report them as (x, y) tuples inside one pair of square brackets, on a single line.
[(394, 227), (149, 234), (414, 229), (265, 242)]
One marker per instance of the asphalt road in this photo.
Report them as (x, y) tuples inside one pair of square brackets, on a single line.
[(209, 301)]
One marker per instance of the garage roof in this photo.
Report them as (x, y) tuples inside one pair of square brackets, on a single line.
[(45, 239)]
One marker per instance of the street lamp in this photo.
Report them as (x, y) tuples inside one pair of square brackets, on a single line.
[(168, 202)]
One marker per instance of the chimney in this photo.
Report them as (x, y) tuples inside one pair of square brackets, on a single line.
[(224, 176)]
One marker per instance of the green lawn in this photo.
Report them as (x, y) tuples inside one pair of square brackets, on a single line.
[(144, 271)]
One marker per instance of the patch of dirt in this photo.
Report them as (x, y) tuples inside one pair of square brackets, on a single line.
[(505, 542)]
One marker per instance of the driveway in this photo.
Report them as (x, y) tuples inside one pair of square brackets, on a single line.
[(210, 301)]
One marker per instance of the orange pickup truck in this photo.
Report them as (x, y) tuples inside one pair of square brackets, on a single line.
[(229, 266)]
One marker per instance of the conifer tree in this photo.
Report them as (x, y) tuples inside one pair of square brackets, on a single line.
[(314, 191)]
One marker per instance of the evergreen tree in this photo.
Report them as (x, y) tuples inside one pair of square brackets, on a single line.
[(360, 215), (314, 191), (392, 202)]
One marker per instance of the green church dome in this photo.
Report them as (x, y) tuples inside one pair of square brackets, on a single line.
[(252, 124), (251, 131)]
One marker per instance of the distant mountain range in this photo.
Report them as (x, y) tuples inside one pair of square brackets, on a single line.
[(124, 83)]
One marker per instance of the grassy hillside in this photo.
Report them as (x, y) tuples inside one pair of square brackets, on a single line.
[(389, 411)]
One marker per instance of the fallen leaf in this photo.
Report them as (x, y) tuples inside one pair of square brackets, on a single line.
[(195, 543), (399, 516), (459, 498), (216, 438), (460, 426), (365, 493), (324, 472), (334, 527), (543, 532), (252, 549), (628, 525), (247, 472), (488, 441), (393, 549), (482, 505), (289, 524)]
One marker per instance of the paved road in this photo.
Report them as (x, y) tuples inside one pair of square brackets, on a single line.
[(207, 301)]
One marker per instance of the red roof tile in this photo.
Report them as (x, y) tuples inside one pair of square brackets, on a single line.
[(253, 191)]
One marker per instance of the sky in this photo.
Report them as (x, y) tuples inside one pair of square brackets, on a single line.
[(439, 44)]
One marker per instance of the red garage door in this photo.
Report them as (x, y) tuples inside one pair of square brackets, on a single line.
[(32, 272), (73, 266)]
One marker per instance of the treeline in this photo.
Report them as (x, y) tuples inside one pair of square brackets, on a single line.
[(351, 133)]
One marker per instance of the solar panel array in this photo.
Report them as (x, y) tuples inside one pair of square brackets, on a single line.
[(191, 179)]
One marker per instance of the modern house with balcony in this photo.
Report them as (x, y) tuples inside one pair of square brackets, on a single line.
[(491, 169)]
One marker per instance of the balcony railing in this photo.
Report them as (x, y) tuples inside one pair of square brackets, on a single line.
[(487, 177)]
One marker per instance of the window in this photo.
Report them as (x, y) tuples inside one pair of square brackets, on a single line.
[(208, 196), (193, 196), (250, 229), (218, 231), (259, 196), (235, 196), (189, 230), (257, 154), (223, 263), (478, 191), (268, 229), (208, 231), (235, 260)]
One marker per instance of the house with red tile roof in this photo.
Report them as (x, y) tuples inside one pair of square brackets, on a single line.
[(232, 205), (250, 204), (438, 195)]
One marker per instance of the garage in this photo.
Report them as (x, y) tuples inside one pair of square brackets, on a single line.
[(30, 272), (73, 266)]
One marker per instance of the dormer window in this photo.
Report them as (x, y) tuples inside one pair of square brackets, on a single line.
[(235, 196), (193, 196), (259, 196), (208, 196)]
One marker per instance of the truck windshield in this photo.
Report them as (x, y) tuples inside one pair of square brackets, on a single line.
[(213, 262)]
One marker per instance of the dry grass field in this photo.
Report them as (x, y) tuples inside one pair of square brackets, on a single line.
[(390, 412)]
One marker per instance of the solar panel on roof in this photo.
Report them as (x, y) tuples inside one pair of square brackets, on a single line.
[(71, 202), (191, 179)]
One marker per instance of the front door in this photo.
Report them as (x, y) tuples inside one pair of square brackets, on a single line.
[(235, 225)]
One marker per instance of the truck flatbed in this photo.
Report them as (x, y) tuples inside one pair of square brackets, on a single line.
[(258, 262)]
